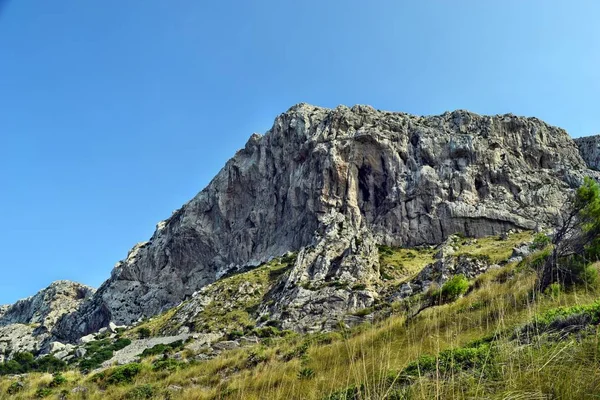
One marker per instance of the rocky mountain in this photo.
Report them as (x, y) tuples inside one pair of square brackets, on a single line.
[(27, 324), (331, 185)]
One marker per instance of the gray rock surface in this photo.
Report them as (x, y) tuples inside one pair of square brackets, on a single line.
[(589, 148), (136, 348), (330, 184), (383, 177), (27, 324)]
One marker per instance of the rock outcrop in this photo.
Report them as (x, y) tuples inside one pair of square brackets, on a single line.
[(27, 324), (589, 148), (331, 183)]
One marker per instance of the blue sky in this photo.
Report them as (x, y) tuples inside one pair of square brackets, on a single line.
[(114, 113)]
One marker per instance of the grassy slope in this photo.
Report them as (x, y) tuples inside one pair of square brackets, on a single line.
[(322, 366)]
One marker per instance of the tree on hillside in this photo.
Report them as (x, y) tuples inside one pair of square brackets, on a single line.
[(576, 243)]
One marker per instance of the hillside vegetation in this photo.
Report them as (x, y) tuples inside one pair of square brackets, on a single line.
[(525, 330), (501, 340)]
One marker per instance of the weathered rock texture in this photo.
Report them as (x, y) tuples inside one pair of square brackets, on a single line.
[(27, 324), (330, 183), (589, 148)]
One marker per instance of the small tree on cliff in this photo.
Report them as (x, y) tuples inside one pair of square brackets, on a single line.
[(576, 243)]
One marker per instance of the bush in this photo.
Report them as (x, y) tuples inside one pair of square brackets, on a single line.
[(58, 380), (480, 357), (540, 241), (144, 333), (267, 331), (23, 363), (557, 318), (100, 351), (163, 348), (452, 289), (233, 335), (121, 343), (166, 365), (50, 364), (15, 387), (119, 375), (140, 392)]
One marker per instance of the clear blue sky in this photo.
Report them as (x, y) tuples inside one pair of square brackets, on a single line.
[(114, 113)]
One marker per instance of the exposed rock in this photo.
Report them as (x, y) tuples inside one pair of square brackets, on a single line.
[(202, 341), (248, 341), (16, 338), (47, 306), (331, 184), (56, 346), (447, 264), (87, 338), (136, 348), (520, 252), (589, 148), (226, 345), (27, 324), (80, 352), (62, 355)]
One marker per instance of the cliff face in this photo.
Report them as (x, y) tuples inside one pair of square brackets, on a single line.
[(331, 184), (589, 148), (27, 324)]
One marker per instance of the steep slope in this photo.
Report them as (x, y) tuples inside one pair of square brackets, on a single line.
[(26, 325), (589, 148), (332, 184)]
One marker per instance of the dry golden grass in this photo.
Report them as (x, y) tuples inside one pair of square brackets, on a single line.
[(500, 301)]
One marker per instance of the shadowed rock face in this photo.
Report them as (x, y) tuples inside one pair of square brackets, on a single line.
[(589, 148), (26, 325), (331, 183)]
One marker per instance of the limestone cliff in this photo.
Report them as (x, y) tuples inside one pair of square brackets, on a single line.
[(589, 148), (331, 184), (26, 325)]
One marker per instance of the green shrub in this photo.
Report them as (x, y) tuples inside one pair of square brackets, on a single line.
[(23, 363), (540, 241), (15, 387), (121, 343), (119, 375), (58, 380), (233, 335), (100, 351), (557, 317), (144, 333), (167, 365), (50, 364), (163, 348), (140, 392), (478, 357), (454, 288), (267, 331)]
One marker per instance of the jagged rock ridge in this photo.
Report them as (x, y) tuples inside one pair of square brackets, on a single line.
[(27, 324), (331, 184)]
